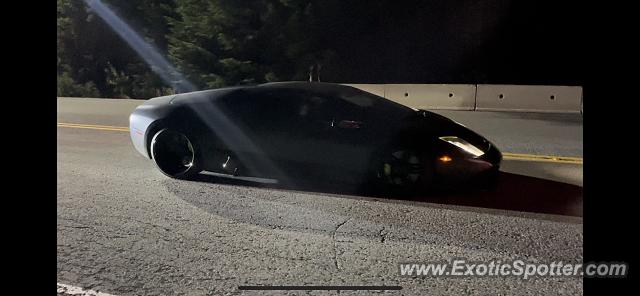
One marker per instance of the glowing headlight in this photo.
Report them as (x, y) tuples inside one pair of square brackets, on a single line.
[(464, 145)]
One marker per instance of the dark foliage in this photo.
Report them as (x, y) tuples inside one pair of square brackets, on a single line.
[(217, 43)]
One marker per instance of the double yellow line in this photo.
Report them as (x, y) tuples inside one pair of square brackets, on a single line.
[(506, 155)]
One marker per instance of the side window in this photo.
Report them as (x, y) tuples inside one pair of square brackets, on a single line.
[(342, 110), (263, 111), (276, 111), (314, 111), (349, 111), (320, 112), (289, 111)]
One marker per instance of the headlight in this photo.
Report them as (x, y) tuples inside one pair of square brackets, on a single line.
[(464, 145)]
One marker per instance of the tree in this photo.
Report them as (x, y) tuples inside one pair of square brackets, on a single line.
[(94, 61)]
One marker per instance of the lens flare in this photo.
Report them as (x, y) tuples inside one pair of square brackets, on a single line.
[(216, 120), (144, 49)]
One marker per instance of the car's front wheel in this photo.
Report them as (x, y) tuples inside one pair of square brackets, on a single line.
[(175, 154), (403, 170)]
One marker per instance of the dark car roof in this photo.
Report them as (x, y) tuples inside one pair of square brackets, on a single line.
[(322, 87), (317, 87), (344, 92)]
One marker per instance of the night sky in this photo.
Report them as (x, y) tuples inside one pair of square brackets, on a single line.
[(465, 41)]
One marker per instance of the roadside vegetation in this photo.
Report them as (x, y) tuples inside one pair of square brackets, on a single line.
[(217, 43)]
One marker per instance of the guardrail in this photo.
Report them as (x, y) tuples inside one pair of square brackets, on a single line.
[(482, 97)]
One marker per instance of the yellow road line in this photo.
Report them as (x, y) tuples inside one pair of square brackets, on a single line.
[(506, 155), (95, 127), (545, 158), (92, 125)]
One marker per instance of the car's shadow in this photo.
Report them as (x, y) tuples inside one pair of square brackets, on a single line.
[(512, 192), (522, 193)]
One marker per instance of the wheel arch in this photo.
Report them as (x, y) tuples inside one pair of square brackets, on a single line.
[(153, 129), (183, 121)]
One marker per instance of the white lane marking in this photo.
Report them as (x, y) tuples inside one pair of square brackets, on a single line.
[(73, 290)]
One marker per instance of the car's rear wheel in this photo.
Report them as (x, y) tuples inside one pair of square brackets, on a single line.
[(175, 154)]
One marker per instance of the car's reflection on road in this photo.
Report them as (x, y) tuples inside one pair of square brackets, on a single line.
[(513, 192)]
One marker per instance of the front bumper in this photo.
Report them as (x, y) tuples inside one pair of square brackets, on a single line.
[(138, 126), (142, 119), (465, 171)]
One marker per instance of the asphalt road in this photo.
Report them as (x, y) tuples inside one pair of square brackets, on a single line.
[(535, 133), (126, 229)]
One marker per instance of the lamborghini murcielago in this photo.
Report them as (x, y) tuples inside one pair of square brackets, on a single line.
[(310, 130)]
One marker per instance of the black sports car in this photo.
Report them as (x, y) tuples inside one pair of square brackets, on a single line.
[(317, 131)]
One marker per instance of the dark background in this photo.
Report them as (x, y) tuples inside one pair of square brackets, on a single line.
[(493, 41), (221, 43)]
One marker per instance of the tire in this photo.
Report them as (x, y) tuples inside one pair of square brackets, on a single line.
[(174, 154), (404, 171)]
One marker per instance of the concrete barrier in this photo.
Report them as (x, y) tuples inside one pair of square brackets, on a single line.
[(470, 97), (433, 96), (529, 98), (376, 89)]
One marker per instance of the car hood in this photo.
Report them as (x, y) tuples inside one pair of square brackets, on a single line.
[(442, 126)]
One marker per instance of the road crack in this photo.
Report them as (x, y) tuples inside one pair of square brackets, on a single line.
[(335, 244), (383, 235)]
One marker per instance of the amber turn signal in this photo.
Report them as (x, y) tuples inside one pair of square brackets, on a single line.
[(445, 158)]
